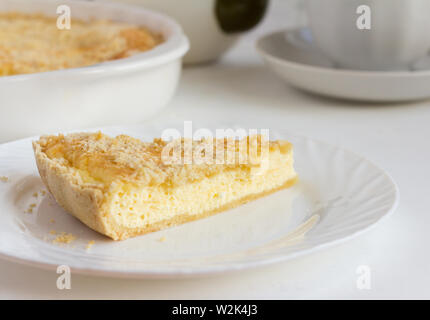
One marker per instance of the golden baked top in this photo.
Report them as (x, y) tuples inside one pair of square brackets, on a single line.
[(33, 43), (103, 159)]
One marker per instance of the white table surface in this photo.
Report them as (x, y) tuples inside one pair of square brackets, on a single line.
[(239, 89)]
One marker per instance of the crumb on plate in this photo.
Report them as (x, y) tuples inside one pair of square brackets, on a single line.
[(90, 244), (64, 237), (30, 208)]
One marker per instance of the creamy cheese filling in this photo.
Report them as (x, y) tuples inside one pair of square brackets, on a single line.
[(134, 207)]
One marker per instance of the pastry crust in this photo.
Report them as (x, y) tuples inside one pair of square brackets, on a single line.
[(80, 200)]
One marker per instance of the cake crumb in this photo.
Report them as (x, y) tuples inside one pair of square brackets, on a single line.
[(4, 179), (90, 244), (30, 208), (43, 192), (53, 232), (64, 237), (35, 195), (162, 239), (52, 221)]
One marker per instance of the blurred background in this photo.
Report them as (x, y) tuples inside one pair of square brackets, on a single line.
[(215, 26)]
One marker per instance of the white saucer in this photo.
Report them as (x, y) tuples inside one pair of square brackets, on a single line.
[(292, 55), (339, 196)]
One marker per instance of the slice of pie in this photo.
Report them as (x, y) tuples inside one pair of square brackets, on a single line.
[(123, 187)]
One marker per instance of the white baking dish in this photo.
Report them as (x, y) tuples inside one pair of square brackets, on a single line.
[(122, 91)]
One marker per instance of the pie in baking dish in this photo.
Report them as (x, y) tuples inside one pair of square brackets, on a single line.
[(123, 187), (33, 43)]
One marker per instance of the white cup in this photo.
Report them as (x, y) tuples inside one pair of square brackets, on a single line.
[(399, 34)]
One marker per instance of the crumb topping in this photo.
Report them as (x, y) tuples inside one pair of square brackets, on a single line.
[(101, 159), (32, 43)]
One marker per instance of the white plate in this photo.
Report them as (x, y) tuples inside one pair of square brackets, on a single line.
[(292, 55), (339, 195)]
